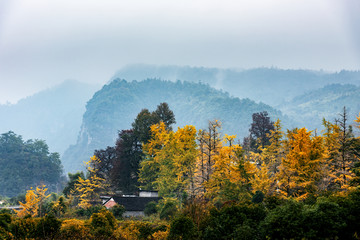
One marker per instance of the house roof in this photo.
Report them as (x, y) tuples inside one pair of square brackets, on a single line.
[(134, 203)]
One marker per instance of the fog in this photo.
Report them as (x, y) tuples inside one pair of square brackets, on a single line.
[(43, 43)]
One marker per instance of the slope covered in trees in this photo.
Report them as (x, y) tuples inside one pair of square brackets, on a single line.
[(257, 84), (53, 115), (114, 107), (309, 109)]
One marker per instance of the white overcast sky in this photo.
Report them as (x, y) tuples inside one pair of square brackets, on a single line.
[(44, 42)]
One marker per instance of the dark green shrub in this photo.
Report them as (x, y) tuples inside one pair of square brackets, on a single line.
[(5, 235), (103, 223), (182, 227), (5, 220), (150, 208), (169, 210), (87, 212), (258, 197), (285, 221), (229, 221), (48, 227), (23, 228), (118, 211), (323, 220)]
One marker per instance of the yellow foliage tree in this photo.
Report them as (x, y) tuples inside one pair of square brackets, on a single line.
[(265, 178), (357, 120), (209, 145), (300, 169), (341, 153), (33, 202), (231, 174), (169, 161), (88, 190), (262, 180)]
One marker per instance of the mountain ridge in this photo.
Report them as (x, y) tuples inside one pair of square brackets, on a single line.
[(115, 106)]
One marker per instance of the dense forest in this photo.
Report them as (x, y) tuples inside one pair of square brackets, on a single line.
[(115, 106), (275, 184)]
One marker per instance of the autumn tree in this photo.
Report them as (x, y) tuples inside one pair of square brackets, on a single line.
[(342, 152), (300, 169), (33, 202), (119, 165), (231, 173), (168, 165), (88, 190), (209, 143), (73, 179)]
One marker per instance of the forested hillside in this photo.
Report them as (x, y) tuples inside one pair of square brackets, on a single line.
[(116, 105), (258, 84), (53, 115), (310, 108)]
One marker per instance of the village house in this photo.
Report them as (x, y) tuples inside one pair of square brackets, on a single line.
[(134, 205)]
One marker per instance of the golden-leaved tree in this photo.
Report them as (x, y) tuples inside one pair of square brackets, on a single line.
[(209, 143), (342, 152), (169, 162), (300, 170), (231, 174), (33, 202), (268, 162), (88, 190)]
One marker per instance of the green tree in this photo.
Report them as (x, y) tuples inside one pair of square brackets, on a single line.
[(26, 164), (73, 179)]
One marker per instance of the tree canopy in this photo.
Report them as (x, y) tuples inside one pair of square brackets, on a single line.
[(26, 164)]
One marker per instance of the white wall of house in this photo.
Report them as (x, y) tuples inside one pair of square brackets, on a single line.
[(148, 194), (134, 213)]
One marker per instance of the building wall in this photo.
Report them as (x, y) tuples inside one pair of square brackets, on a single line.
[(148, 194), (134, 214)]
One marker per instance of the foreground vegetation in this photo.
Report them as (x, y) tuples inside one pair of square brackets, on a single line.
[(333, 217), (275, 185)]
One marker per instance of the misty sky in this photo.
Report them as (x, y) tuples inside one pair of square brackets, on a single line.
[(43, 42)]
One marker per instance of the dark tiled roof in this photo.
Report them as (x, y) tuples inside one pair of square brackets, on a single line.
[(134, 203)]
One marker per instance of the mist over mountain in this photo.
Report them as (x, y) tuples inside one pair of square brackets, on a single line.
[(117, 104), (58, 114), (328, 102), (269, 85), (53, 115)]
